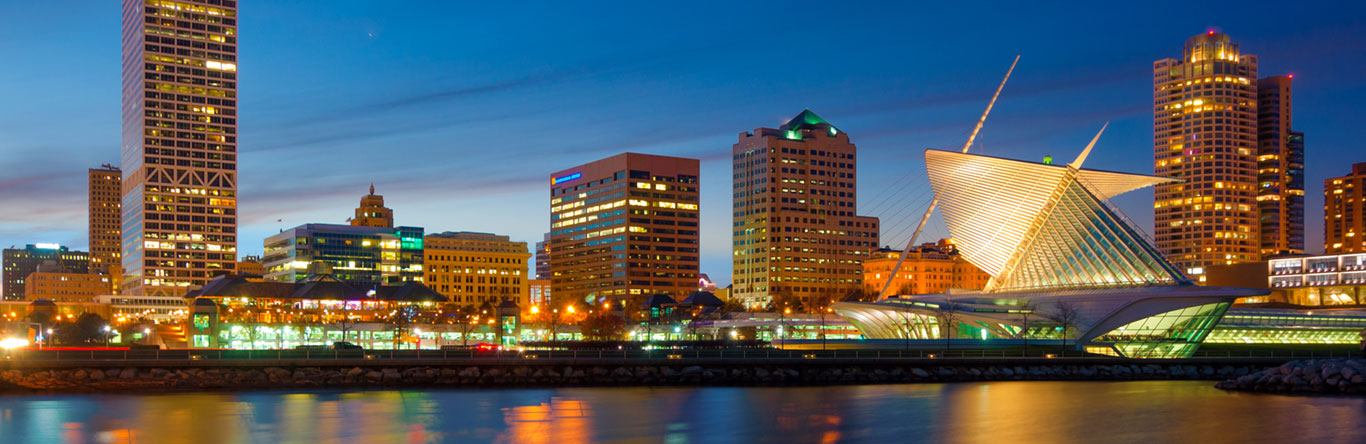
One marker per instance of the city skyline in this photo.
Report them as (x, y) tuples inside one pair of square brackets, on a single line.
[(569, 107)]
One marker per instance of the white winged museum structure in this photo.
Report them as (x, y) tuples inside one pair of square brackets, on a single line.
[(1064, 265)]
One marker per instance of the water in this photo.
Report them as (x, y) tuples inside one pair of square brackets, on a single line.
[(996, 412)]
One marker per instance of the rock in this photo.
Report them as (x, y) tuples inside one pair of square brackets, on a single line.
[(691, 370), (80, 374), (354, 372), (920, 373), (96, 375)]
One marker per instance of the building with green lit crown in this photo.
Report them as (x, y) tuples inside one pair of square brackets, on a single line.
[(365, 257), (1064, 265)]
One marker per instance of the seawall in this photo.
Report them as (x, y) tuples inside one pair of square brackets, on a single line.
[(191, 375)]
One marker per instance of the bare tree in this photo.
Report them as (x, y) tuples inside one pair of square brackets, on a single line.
[(948, 321), (1066, 315), (1027, 307)]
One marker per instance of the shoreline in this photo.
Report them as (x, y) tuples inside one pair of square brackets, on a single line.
[(191, 376)]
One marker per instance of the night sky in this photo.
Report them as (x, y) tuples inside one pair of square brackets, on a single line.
[(459, 111)]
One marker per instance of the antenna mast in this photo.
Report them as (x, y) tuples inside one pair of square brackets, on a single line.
[(935, 202)]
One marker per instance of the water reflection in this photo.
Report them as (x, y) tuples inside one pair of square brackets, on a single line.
[(1155, 411)]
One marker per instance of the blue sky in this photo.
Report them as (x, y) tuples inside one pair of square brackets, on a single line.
[(459, 111)]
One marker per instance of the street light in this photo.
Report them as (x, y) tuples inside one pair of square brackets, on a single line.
[(106, 336)]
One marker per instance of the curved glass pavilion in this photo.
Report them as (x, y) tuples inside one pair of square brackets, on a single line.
[(1064, 265)]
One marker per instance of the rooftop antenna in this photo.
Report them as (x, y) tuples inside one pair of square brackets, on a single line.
[(935, 202)]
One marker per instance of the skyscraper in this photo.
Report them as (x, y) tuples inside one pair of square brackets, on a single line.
[(1344, 212), (1280, 170), (179, 207), (624, 226), (372, 212), (1205, 134), (106, 191), (795, 226)]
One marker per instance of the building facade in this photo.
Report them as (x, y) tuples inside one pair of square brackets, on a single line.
[(539, 291), (930, 268), (1205, 134), (365, 257), (1280, 170), (624, 226), (251, 267), (372, 212), (795, 225), (1344, 212), (56, 285), (19, 263), (475, 268), (543, 258), (106, 193), (1335, 279), (179, 222)]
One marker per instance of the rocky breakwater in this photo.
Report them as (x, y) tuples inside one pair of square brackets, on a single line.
[(384, 375), (1314, 376)]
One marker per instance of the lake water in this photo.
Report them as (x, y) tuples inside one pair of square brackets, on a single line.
[(995, 412)]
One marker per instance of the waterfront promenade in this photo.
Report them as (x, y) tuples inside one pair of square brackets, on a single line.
[(189, 370)]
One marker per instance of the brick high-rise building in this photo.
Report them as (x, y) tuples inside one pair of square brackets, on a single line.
[(1205, 134), (1344, 212), (624, 226), (179, 222), (476, 268), (106, 191), (1280, 170), (795, 226)]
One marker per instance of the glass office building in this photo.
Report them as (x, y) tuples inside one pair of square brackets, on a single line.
[(364, 257)]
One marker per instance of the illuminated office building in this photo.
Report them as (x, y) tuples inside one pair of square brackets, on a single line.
[(179, 222), (1344, 212), (1205, 135), (19, 263), (372, 212), (57, 284), (543, 258), (929, 268), (795, 225), (364, 257), (1280, 170), (624, 226), (106, 192), (475, 268)]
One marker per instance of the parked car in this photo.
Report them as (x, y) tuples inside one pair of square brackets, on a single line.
[(342, 345)]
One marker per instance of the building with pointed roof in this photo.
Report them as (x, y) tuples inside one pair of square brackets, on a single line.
[(372, 212), (795, 225), (1056, 252)]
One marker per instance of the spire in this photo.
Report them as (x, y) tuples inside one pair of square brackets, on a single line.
[(372, 188)]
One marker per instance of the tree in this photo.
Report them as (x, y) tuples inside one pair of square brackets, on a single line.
[(1066, 315), (857, 295), (603, 326), (948, 322), (1026, 307), (91, 328)]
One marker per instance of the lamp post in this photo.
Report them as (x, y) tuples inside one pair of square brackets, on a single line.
[(828, 310), (106, 336)]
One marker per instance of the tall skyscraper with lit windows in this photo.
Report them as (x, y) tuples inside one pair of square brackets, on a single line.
[(1280, 170), (1205, 134), (179, 206), (623, 227), (795, 226)]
